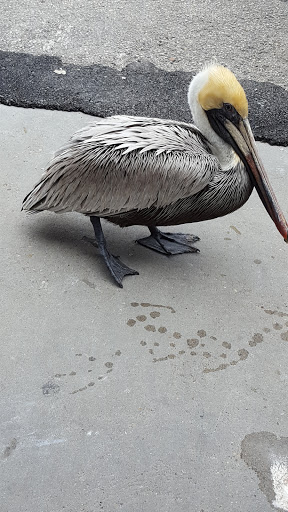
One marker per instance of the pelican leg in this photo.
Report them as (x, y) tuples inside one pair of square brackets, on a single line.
[(169, 243), (117, 269)]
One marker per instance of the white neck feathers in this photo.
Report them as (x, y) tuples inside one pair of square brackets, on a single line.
[(220, 149)]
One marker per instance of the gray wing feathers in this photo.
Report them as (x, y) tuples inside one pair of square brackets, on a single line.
[(122, 163)]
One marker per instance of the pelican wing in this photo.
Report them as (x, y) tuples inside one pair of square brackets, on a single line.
[(124, 163)]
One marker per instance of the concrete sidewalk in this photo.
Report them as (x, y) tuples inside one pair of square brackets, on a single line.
[(140, 399)]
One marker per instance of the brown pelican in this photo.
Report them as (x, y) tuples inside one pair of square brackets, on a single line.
[(153, 172)]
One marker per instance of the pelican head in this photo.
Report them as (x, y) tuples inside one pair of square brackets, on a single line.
[(220, 110)]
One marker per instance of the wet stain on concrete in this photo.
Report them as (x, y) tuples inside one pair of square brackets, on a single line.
[(141, 318), (170, 356), (236, 230), (150, 328), (222, 366), (213, 350), (77, 390), (10, 448), (148, 305), (257, 262), (275, 312), (192, 342), (165, 358), (50, 388), (243, 354), (267, 455), (89, 283), (107, 367), (217, 356), (257, 338)]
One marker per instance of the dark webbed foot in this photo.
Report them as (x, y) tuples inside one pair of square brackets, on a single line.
[(117, 268), (169, 243)]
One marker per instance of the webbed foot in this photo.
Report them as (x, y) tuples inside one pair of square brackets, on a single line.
[(117, 268), (169, 243)]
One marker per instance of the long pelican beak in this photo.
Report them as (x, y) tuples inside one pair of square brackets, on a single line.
[(243, 137)]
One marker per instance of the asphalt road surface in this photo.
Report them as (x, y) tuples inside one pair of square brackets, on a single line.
[(250, 37)]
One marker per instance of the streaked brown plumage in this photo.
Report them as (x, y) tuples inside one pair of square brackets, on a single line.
[(133, 170), (119, 164)]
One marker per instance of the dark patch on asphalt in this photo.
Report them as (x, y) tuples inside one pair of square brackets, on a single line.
[(140, 89)]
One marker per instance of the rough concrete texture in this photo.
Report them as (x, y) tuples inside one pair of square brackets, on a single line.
[(135, 399), (174, 35)]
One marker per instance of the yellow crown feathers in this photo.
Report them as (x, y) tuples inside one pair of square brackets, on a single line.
[(223, 87)]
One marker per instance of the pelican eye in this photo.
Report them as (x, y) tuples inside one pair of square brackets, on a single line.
[(228, 107), (231, 113)]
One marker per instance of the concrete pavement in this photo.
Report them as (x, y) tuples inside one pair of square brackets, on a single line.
[(171, 394), (168, 395)]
